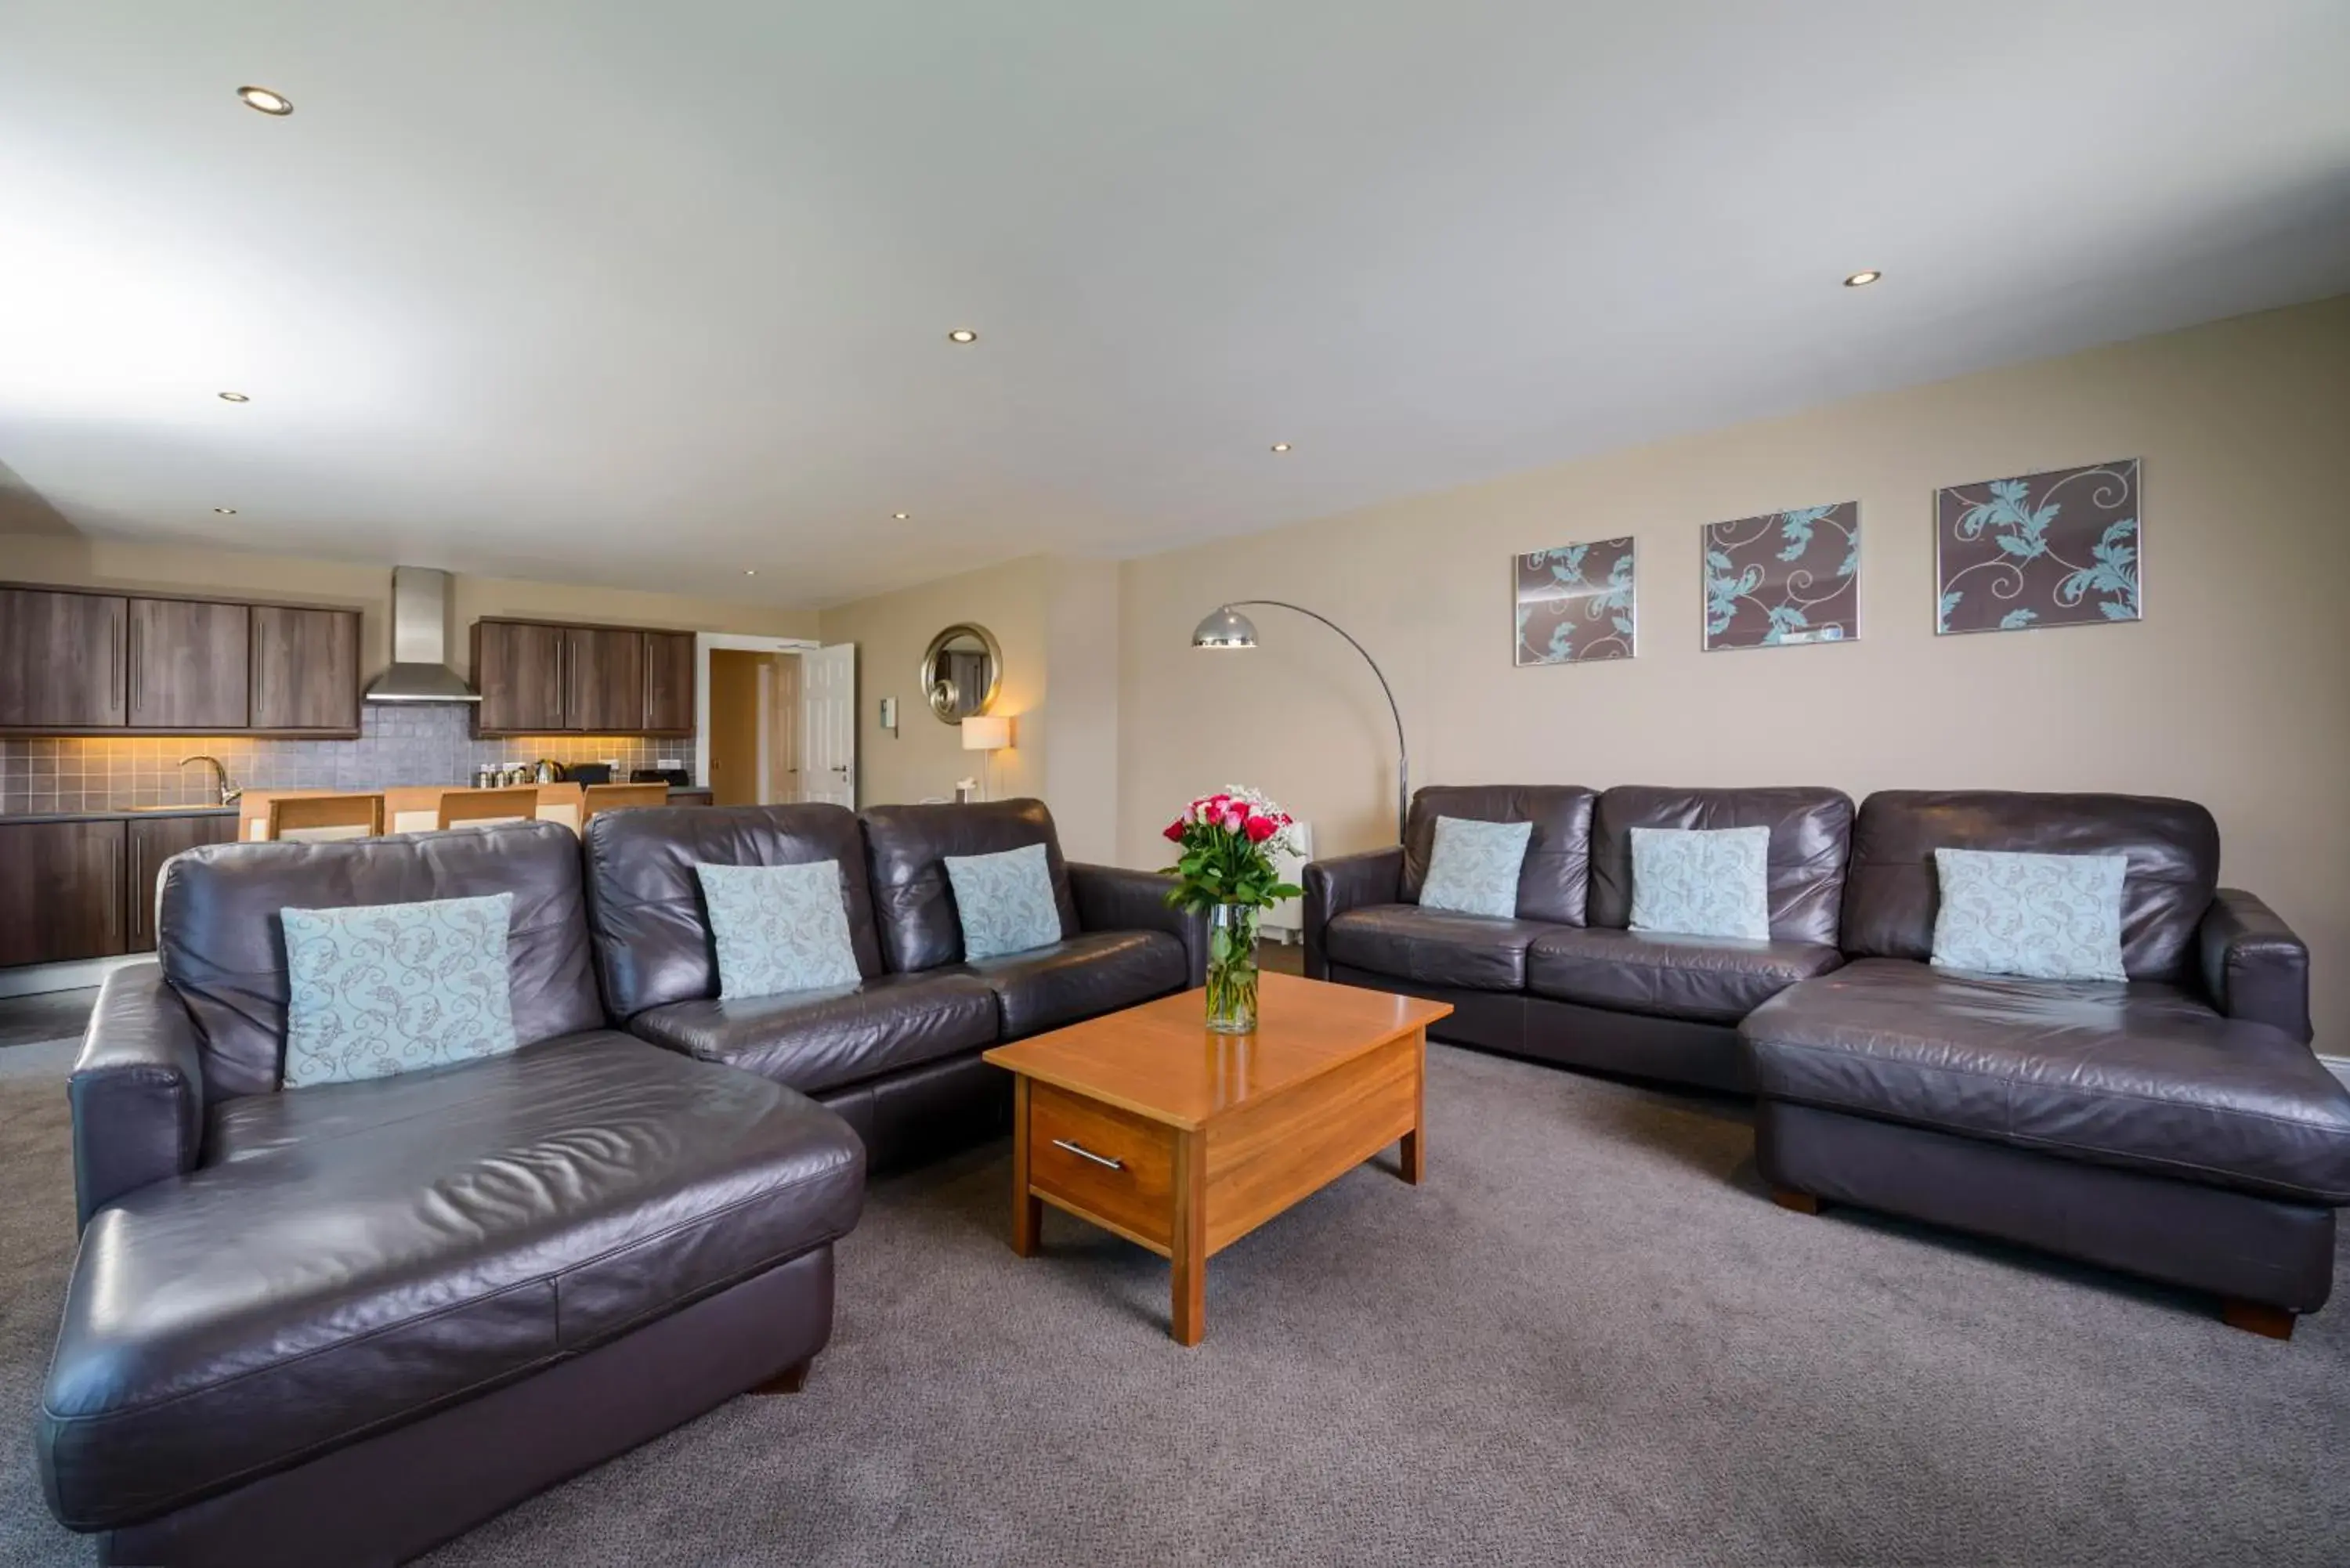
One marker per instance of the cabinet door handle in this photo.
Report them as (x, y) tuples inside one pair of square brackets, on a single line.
[(137, 687), (138, 899), (1083, 1153), (113, 657)]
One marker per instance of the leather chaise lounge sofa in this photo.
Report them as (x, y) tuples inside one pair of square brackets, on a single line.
[(341, 1323), (2176, 1126)]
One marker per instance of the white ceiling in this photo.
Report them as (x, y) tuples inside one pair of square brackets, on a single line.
[(646, 294)]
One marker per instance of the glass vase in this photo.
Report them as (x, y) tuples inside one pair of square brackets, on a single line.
[(1231, 969)]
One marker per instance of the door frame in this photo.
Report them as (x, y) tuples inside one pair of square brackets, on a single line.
[(738, 641)]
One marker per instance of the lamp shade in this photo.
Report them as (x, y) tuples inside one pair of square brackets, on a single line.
[(986, 733), (1227, 627)]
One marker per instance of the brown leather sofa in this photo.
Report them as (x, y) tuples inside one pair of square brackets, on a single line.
[(1564, 981), (2176, 1127), (896, 1054), (342, 1325)]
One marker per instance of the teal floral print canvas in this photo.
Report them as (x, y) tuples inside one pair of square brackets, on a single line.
[(379, 989), (1577, 603), (1784, 578), (2059, 548)]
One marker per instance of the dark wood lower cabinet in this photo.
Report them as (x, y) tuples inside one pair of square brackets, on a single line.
[(150, 841), (61, 891)]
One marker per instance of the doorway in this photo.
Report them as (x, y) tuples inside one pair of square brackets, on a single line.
[(754, 728)]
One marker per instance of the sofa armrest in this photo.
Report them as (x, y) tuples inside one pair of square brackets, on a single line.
[(2254, 967), (1111, 898), (1346, 882), (137, 1090)]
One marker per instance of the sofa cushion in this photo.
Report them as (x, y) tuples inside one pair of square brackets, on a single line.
[(1434, 947), (2140, 1074), (217, 930), (1553, 881), (1810, 836), (1085, 976), (1003, 902), (906, 851), (814, 1040), (1702, 882), (2173, 846), (1715, 979), (778, 929), (1474, 867), (653, 941), (354, 1255)]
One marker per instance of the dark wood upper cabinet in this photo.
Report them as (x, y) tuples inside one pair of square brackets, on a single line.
[(668, 682), (61, 891), (62, 660), (188, 660), (605, 682), (518, 668), (150, 841), (306, 669)]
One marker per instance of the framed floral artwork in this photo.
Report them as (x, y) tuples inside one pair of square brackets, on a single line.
[(1575, 604), (1784, 578), (2059, 548)]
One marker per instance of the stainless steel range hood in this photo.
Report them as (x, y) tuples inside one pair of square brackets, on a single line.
[(419, 668)]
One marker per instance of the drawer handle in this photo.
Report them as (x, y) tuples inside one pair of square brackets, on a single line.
[(1083, 1153)]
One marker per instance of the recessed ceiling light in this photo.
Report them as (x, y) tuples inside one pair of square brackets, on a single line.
[(900, 516), (1281, 446), (265, 101), (1863, 279), (234, 398), (962, 334), (750, 571), (225, 511)]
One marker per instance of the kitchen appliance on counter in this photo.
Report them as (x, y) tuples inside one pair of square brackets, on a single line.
[(590, 773), (676, 778), (547, 769)]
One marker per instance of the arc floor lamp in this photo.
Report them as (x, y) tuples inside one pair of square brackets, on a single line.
[(1227, 627)]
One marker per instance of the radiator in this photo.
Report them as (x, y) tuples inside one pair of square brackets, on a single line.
[(1287, 921)]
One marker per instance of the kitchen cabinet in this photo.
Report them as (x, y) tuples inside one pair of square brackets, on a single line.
[(61, 891), (306, 669), (60, 660), (150, 841), (540, 678), (518, 669), (187, 663), (80, 663), (668, 682), (604, 686)]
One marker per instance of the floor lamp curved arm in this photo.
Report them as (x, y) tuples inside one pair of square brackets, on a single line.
[(1227, 627)]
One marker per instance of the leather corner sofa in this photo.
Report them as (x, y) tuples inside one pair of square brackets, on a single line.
[(2176, 1126), (342, 1324), (898, 1055)]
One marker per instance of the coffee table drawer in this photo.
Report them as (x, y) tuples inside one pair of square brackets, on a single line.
[(1111, 1165)]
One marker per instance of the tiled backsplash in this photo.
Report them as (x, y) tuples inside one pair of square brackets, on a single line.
[(403, 744)]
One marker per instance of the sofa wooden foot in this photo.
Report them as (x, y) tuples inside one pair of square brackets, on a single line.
[(1800, 1202), (2256, 1317), (790, 1380)]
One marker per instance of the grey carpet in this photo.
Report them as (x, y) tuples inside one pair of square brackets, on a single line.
[(1589, 1339)]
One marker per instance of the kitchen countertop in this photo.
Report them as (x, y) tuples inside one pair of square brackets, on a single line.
[(122, 814)]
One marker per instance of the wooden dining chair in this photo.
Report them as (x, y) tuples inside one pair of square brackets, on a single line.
[(481, 807), (327, 816), (615, 797)]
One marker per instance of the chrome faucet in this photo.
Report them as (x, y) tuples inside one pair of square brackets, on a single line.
[(229, 788)]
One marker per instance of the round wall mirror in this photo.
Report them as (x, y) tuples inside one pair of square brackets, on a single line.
[(962, 671)]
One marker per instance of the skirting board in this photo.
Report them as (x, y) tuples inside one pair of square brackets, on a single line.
[(34, 978)]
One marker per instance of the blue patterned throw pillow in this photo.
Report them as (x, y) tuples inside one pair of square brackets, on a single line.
[(778, 928), (382, 988), (2043, 917), (1709, 884), (1004, 901), (1472, 868)]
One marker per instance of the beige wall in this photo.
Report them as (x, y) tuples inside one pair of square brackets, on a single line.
[(2234, 690), (1056, 621), (72, 561)]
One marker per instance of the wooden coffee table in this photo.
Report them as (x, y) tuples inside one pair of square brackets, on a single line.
[(1183, 1141)]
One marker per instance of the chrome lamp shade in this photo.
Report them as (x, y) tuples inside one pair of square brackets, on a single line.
[(1227, 627)]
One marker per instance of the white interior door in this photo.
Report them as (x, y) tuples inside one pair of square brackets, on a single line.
[(828, 724)]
